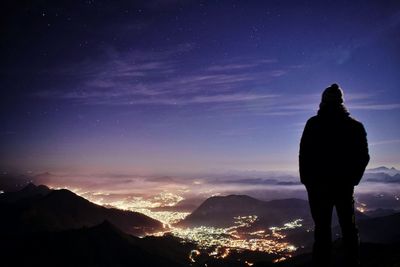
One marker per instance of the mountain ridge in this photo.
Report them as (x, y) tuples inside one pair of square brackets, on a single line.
[(62, 209), (219, 211)]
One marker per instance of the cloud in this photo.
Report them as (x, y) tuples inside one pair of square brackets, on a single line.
[(230, 98), (292, 105), (241, 66), (375, 106), (231, 67), (385, 142), (162, 179), (141, 77), (258, 181), (158, 77)]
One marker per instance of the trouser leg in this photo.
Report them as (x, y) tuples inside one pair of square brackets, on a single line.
[(345, 211), (321, 210)]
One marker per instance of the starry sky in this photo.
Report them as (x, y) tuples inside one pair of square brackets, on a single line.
[(177, 87)]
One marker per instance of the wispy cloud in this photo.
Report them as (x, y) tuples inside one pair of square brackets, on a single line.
[(373, 106), (241, 66), (159, 78), (231, 67), (230, 98), (358, 101), (156, 77), (385, 142)]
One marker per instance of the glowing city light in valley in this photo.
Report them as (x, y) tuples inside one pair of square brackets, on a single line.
[(217, 242), (139, 204), (239, 237), (361, 207)]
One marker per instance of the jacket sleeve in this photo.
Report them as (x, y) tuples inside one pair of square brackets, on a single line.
[(362, 154), (304, 154)]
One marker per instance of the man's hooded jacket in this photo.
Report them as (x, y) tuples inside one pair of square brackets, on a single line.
[(333, 147)]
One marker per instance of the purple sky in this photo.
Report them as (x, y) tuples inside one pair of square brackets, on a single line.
[(180, 87)]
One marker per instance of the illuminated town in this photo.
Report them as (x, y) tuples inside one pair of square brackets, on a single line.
[(216, 242), (140, 204), (240, 237)]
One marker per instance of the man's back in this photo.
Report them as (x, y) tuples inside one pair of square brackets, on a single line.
[(333, 150), (333, 156)]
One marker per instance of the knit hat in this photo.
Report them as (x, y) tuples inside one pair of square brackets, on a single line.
[(332, 95)]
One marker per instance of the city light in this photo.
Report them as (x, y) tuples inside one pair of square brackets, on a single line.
[(147, 206), (217, 242), (361, 207), (239, 237)]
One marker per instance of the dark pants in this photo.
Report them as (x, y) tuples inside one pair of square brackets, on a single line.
[(322, 199)]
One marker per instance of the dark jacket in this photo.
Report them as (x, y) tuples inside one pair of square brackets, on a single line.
[(333, 149)]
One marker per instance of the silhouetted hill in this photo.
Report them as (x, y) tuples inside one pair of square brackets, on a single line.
[(383, 169), (381, 230), (372, 255), (380, 212), (106, 245), (43, 227), (219, 211), (13, 182), (29, 191), (101, 245), (55, 210)]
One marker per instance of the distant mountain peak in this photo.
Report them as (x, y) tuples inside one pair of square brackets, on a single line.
[(54, 210), (35, 189), (220, 211), (383, 169), (29, 186), (380, 168), (27, 192)]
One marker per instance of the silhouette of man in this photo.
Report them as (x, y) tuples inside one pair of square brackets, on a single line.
[(333, 156)]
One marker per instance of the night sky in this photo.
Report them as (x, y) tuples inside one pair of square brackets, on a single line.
[(171, 87)]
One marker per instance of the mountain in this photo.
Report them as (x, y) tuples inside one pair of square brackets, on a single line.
[(106, 245), (380, 230), (381, 177), (44, 227), (219, 211), (380, 244), (29, 191), (372, 255), (100, 245), (37, 208), (13, 182), (380, 212), (383, 170)]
